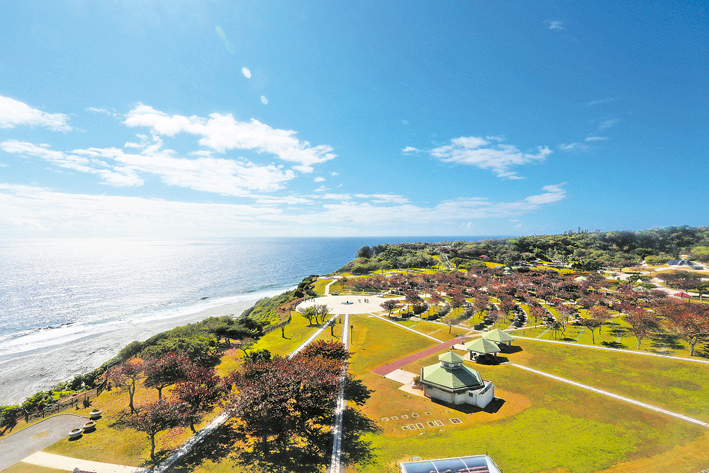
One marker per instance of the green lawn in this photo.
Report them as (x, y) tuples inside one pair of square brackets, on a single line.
[(672, 384), (542, 425)]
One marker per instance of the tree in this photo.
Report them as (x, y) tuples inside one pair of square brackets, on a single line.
[(537, 312), (689, 321), (592, 325), (364, 252), (329, 350), (322, 312), (257, 356), (642, 323), (159, 416), (310, 313), (285, 404), (389, 305), (200, 391), (166, 370), (600, 313), (126, 375)]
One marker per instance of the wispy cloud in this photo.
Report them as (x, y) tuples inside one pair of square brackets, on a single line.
[(14, 113), (601, 101), (102, 111), (569, 147), (410, 149), (384, 198), (592, 139), (481, 153), (117, 175), (319, 179), (119, 168), (223, 132), (605, 124), (246, 72), (555, 24)]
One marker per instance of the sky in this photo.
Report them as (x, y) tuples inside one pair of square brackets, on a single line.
[(195, 119)]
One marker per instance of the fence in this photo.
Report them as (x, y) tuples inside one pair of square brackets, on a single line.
[(64, 404)]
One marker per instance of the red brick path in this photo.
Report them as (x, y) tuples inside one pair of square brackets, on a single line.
[(395, 365)]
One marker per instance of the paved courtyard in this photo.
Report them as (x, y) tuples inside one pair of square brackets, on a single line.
[(348, 304)]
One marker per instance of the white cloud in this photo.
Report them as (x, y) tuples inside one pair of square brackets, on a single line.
[(409, 149), (224, 132), (121, 169), (264, 100), (246, 72), (479, 152), (14, 112), (555, 25), (384, 198), (596, 138), (574, 147), (336, 196), (118, 176), (601, 101), (605, 124), (322, 189), (319, 179), (333, 174), (46, 212), (104, 111)]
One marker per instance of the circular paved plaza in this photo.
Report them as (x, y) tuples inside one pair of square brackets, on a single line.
[(348, 304)]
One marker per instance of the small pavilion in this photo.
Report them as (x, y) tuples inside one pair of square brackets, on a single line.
[(452, 382), (482, 348), (500, 337)]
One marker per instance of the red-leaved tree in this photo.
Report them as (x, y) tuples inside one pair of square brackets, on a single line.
[(166, 370)]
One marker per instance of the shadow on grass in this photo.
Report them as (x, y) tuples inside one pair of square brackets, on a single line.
[(667, 341), (511, 349), (614, 344), (297, 457), (494, 406)]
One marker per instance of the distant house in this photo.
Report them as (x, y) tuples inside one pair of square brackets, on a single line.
[(452, 382), (469, 464)]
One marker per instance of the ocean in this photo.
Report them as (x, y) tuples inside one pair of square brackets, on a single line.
[(67, 306)]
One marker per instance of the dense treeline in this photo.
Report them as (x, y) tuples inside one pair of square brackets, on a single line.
[(617, 248), (586, 250), (397, 256)]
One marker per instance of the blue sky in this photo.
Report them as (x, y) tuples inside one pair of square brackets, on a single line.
[(155, 119)]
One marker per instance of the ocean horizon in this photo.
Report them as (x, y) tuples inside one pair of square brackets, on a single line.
[(68, 305)]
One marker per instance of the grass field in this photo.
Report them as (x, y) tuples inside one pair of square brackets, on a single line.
[(537, 425), (540, 426)]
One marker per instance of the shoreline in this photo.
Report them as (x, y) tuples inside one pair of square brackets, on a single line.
[(27, 373)]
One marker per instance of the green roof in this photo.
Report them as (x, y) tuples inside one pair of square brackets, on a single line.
[(482, 346), (451, 357), (459, 377), (498, 336)]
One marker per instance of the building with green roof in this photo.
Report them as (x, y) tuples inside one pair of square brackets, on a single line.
[(452, 382), (499, 336)]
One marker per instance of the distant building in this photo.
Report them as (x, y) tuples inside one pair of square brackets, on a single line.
[(685, 262), (469, 464), (451, 382)]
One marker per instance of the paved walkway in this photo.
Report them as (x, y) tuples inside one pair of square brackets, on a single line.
[(349, 304), (398, 364), (337, 429), (615, 396), (406, 328), (59, 462), (615, 350), (34, 438)]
